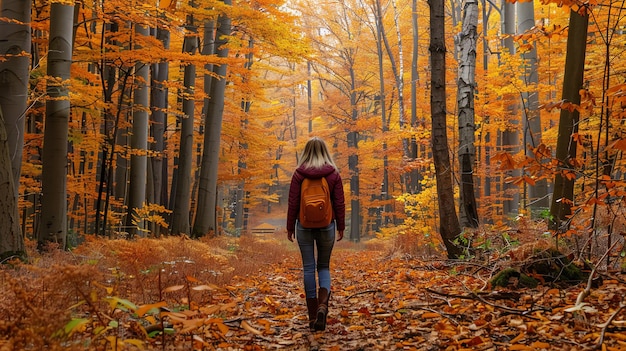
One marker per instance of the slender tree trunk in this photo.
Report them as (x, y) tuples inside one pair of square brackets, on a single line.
[(531, 119), (415, 172), (160, 72), (468, 212), (241, 218), (510, 136), (139, 141), (180, 217), (563, 196), (353, 166), (449, 222), (384, 191), (11, 239), (15, 43), (53, 228), (206, 216)]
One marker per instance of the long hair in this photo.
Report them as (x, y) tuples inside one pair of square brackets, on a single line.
[(315, 154)]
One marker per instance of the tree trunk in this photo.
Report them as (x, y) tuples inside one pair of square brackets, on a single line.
[(415, 176), (206, 216), (53, 227), (384, 191), (449, 222), (510, 137), (138, 141), (180, 217), (531, 120), (353, 165), (15, 39), (468, 212), (563, 196), (11, 240), (159, 75)]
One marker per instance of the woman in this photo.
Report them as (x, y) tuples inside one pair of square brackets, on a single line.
[(316, 162)]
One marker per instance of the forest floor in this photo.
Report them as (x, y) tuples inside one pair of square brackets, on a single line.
[(246, 294)]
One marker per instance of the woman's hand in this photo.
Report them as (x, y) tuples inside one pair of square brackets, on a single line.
[(339, 235), (290, 236)]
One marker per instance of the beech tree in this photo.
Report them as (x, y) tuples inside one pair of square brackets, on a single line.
[(15, 43), (53, 227), (531, 119), (180, 216), (206, 214), (139, 138), (11, 240)]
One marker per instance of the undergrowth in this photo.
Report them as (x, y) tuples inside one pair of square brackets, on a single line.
[(111, 294)]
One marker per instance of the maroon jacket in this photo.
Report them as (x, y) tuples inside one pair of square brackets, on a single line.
[(336, 194)]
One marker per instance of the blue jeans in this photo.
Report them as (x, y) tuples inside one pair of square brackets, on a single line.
[(308, 239)]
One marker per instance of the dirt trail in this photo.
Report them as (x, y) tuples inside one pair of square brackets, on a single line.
[(385, 303)]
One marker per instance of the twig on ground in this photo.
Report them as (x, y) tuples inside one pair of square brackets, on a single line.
[(476, 297), (362, 293), (583, 294), (606, 325)]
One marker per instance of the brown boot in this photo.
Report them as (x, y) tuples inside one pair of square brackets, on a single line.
[(311, 305), (322, 309)]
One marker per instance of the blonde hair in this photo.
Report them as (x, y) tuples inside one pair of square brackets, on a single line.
[(315, 154)]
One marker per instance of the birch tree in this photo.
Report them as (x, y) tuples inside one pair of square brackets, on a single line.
[(468, 211), (53, 226)]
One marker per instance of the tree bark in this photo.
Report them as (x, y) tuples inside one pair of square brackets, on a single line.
[(159, 75), (449, 222), (180, 217), (531, 119), (11, 240), (53, 227), (563, 196), (510, 137), (468, 212), (15, 43), (138, 141), (206, 215)]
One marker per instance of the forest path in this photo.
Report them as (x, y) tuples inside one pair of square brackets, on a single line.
[(381, 302)]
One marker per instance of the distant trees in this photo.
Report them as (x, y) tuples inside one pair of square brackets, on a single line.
[(130, 145)]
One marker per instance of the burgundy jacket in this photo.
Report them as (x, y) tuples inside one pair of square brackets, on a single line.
[(336, 194)]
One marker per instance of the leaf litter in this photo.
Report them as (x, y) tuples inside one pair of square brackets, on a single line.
[(380, 301), (386, 303)]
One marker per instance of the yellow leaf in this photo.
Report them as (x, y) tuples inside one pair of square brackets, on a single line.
[(428, 315), (520, 347), (145, 308)]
